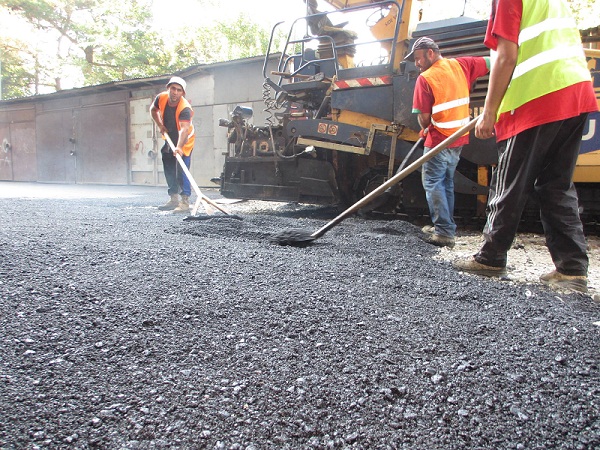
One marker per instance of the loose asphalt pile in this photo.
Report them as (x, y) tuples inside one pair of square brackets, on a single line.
[(126, 328)]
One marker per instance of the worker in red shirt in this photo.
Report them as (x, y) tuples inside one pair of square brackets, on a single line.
[(538, 99), (441, 100)]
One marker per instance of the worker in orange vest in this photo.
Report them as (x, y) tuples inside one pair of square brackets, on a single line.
[(173, 114), (441, 100)]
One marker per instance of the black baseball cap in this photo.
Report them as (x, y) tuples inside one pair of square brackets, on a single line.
[(422, 43)]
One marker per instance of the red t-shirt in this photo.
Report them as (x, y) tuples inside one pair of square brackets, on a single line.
[(473, 67), (560, 105)]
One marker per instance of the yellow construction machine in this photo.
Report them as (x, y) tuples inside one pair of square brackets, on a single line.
[(339, 112)]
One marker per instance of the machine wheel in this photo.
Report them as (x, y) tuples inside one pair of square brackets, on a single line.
[(368, 182)]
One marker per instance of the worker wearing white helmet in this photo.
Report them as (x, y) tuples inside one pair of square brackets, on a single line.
[(173, 114)]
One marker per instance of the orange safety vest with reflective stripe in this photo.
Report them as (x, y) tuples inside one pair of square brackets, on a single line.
[(450, 89), (163, 98)]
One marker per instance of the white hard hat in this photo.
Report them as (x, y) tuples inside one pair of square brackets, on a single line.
[(177, 80)]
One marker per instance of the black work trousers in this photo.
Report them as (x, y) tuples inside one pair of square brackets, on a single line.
[(540, 162)]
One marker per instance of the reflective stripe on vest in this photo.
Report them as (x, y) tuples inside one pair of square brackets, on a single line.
[(550, 55), (450, 110), (452, 125), (163, 99)]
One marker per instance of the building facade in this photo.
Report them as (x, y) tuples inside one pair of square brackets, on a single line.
[(104, 134)]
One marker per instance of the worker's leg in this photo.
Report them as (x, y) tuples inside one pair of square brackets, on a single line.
[(186, 187), (453, 158), (434, 176), (558, 199), (520, 161), (170, 171)]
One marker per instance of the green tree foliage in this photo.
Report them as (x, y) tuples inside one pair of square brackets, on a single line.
[(90, 42), (585, 12), (118, 44), (93, 41), (15, 77), (245, 38), (223, 41), (98, 41)]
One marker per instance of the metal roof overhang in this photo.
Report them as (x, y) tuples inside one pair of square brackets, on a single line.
[(340, 4), (134, 83)]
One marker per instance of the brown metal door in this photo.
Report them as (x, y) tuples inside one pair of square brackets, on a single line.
[(6, 159), (101, 144), (56, 147), (23, 151), (144, 157)]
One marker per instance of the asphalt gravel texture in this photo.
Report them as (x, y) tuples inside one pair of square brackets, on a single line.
[(123, 327)]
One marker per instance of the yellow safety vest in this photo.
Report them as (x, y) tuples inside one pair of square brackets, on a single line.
[(550, 55), (450, 89)]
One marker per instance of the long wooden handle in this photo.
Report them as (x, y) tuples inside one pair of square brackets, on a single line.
[(191, 178), (397, 178)]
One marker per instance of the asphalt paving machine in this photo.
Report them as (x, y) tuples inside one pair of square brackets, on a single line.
[(339, 118)]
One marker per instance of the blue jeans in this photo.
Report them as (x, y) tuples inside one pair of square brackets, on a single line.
[(174, 176), (437, 176), (186, 186)]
